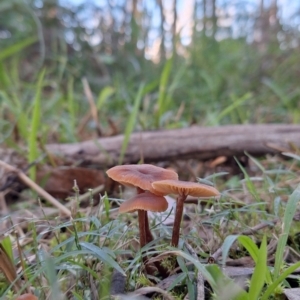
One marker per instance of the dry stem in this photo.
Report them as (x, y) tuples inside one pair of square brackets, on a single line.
[(25, 179)]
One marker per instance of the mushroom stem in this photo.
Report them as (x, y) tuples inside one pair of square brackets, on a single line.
[(139, 190), (141, 216), (143, 239), (149, 236), (177, 220)]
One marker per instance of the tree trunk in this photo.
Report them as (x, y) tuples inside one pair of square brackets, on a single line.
[(174, 26), (162, 22)]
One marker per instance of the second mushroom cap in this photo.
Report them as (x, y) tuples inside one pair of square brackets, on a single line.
[(144, 201), (179, 187)]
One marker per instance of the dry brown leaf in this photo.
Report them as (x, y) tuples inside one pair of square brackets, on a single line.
[(59, 182), (8, 269)]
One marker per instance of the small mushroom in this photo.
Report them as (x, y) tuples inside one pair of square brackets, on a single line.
[(144, 202), (182, 189), (141, 177), (27, 297)]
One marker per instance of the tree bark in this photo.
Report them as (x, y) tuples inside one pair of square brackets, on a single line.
[(204, 17), (214, 18), (174, 26), (162, 22), (194, 142)]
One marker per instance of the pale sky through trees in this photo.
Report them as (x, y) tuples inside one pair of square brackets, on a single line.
[(235, 18)]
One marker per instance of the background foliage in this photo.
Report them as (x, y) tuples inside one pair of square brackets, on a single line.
[(233, 62), (71, 71)]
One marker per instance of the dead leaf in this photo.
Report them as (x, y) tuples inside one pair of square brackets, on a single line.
[(8, 269), (59, 182)]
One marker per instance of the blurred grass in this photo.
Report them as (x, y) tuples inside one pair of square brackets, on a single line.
[(35, 126), (187, 94), (215, 82)]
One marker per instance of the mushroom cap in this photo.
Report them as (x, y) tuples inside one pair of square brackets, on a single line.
[(144, 201), (184, 188), (140, 175), (27, 297)]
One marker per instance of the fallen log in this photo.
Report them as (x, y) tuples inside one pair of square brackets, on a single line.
[(193, 142)]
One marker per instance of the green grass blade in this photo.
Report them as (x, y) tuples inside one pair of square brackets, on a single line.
[(226, 111), (256, 162), (7, 245), (131, 122), (4, 78), (177, 280), (225, 285), (71, 106), (210, 82), (173, 86), (16, 47), (249, 183), (22, 116), (258, 277), (292, 155), (226, 247), (103, 96), (201, 268), (52, 278), (279, 280), (191, 289), (35, 124), (102, 255), (250, 246), (254, 252), (162, 90), (276, 90), (290, 210)]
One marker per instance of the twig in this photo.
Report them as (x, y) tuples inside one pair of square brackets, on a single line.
[(3, 205), (93, 107), (259, 226), (26, 180), (152, 289)]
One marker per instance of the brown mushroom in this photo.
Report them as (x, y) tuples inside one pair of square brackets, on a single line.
[(27, 297), (182, 189), (144, 202), (141, 177)]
